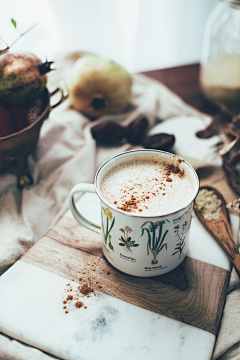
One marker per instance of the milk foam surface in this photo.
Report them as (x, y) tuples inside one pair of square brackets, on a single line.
[(147, 187)]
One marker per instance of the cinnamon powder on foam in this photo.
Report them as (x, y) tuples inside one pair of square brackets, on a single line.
[(147, 187)]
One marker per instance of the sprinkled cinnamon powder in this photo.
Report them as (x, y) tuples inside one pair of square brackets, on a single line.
[(85, 289), (128, 183), (74, 295), (79, 304)]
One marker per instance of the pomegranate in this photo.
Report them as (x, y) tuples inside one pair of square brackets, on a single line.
[(8, 124), (22, 77), (20, 115), (98, 86)]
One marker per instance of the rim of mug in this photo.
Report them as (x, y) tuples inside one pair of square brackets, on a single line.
[(139, 215)]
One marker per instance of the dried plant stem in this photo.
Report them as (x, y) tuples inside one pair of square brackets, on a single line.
[(238, 231), (22, 34), (1, 39)]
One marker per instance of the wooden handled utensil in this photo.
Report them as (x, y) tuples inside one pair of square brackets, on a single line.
[(219, 227)]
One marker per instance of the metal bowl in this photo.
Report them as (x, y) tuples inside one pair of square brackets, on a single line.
[(15, 148)]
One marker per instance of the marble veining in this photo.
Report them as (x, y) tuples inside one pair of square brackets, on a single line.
[(31, 310)]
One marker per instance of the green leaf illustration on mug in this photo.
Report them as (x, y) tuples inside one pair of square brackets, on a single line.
[(179, 233), (109, 226), (156, 238), (126, 241)]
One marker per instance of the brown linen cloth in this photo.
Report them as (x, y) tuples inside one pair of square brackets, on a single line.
[(65, 155)]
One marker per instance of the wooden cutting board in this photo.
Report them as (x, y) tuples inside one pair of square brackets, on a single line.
[(190, 299), (193, 293)]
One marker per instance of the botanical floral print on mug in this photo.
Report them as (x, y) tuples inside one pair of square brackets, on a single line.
[(126, 241), (156, 238), (109, 226), (179, 234)]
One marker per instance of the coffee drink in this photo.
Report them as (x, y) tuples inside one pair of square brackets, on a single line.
[(146, 200), (147, 187)]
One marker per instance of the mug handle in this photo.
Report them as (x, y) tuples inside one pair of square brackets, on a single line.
[(89, 188)]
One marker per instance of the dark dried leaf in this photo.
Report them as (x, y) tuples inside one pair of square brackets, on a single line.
[(217, 125), (108, 133), (137, 130), (161, 141)]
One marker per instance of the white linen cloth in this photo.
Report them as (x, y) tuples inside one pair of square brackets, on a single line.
[(65, 155)]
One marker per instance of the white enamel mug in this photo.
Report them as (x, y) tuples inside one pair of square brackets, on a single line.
[(136, 244)]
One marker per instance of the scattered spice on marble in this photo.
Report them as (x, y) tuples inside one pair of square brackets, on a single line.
[(208, 204), (85, 289), (79, 304), (88, 283)]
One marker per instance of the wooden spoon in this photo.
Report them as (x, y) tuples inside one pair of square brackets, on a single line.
[(221, 229)]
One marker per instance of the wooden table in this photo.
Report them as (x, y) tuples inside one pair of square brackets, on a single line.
[(184, 81)]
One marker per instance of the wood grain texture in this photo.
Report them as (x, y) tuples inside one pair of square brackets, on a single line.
[(184, 81), (194, 293)]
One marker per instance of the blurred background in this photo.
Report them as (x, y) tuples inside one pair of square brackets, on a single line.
[(139, 34)]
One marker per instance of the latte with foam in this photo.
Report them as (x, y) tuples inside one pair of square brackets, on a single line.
[(147, 187)]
